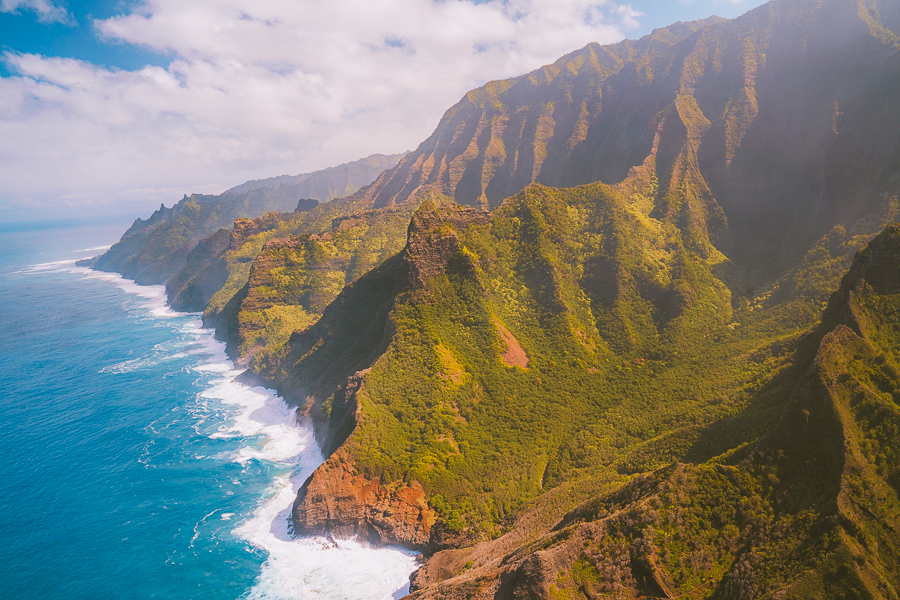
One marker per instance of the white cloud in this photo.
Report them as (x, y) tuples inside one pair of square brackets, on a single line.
[(265, 87), (47, 11)]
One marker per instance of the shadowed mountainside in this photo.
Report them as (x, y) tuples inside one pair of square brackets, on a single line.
[(331, 183)]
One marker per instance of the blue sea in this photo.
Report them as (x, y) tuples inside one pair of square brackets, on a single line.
[(132, 464)]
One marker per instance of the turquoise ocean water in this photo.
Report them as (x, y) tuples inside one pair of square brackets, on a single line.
[(132, 465)]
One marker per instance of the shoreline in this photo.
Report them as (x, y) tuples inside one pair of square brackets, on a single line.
[(269, 527)]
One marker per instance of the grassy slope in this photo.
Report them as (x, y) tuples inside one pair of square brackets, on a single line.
[(813, 511), (613, 385), (808, 509), (293, 279), (154, 250)]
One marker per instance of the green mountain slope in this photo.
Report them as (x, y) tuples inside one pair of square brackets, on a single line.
[(810, 511), (152, 251), (505, 367), (500, 366)]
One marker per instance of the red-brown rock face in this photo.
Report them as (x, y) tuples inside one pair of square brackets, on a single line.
[(335, 501), (245, 228)]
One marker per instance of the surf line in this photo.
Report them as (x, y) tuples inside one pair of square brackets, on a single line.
[(296, 568)]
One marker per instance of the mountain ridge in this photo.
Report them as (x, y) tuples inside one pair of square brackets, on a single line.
[(152, 251), (354, 175)]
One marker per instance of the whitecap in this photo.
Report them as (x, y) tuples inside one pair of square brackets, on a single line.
[(57, 266)]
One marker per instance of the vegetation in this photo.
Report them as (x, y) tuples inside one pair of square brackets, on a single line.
[(152, 251), (293, 279), (433, 401), (695, 381)]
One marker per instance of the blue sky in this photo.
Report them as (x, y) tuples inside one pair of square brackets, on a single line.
[(659, 13), (24, 31), (76, 37), (116, 106)]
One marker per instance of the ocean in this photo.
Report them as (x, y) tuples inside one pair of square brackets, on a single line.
[(132, 464)]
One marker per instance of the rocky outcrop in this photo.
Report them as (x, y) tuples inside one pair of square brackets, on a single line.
[(245, 228), (293, 278), (432, 241), (336, 501), (874, 271), (354, 329), (344, 414)]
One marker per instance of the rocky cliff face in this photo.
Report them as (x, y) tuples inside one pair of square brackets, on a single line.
[(337, 501), (204, 274), (589, 116)]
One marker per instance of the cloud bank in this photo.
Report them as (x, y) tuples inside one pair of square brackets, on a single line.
[(47, 11), (262, 87)]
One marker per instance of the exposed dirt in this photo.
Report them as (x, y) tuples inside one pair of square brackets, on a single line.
[(515, 355)]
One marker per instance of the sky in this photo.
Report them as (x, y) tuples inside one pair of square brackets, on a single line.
[(112, 107)]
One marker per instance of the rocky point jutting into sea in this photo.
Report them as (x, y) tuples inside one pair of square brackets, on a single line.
[(624, 326)]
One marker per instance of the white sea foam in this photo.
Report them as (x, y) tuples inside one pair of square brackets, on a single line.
[(260, 414), (54, 264), (57, 266), (305, 568), (268, 430), (318, 568)]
